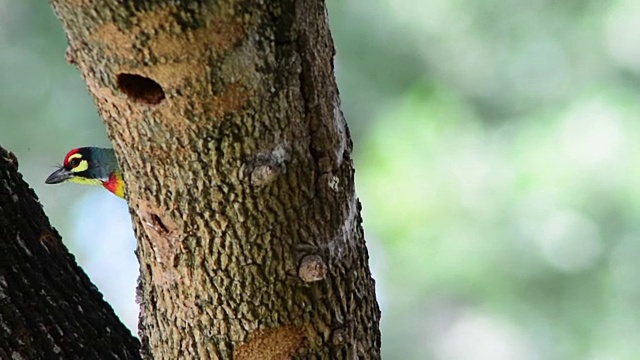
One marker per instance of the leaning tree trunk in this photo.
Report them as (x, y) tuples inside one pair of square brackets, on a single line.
[(48, 307), (227, 124)]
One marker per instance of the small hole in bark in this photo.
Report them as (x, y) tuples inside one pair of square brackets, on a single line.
[(159, 223), (140, 89)]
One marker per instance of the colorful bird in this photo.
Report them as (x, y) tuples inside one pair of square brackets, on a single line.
[(90, 166)]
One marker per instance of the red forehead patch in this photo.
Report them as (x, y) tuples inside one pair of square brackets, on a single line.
[(66, 158)]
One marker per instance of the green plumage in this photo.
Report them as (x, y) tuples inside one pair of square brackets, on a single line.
[(102, 163)]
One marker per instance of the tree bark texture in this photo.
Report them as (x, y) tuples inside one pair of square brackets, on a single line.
[(48, 307), (226, 120)]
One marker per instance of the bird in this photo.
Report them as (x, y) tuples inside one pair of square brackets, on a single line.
[(90, 166)]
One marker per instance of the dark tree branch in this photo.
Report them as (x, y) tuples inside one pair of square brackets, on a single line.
[(48, 307)]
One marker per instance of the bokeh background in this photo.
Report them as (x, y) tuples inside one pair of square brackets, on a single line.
[(496, 159)]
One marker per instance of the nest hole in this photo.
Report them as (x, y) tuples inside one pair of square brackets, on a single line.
[(140, 89)]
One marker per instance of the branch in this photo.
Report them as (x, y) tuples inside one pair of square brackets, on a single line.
[(48, 307)]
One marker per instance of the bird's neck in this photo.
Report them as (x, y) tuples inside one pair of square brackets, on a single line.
[(115, 184)]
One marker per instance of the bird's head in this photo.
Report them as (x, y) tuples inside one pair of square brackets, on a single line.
[(90, 166)]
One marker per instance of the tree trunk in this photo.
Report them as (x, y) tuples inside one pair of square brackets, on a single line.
[(226, 121), (48, 307)]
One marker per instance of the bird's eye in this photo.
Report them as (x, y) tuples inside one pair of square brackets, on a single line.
[(74, 162)]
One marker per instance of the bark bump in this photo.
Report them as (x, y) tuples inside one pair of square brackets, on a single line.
[(312, 268), (263, 168)]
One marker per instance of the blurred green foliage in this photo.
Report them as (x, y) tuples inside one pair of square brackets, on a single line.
[(495, 155)]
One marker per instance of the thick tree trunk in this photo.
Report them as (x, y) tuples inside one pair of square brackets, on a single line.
[(48, 307), (226, 121)]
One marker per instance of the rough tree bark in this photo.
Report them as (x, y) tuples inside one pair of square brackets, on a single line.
[(226, 121), (48, 307)]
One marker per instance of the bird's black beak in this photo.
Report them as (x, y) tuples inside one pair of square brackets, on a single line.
[(59, 176)]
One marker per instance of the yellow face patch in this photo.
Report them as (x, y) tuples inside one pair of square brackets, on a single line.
[(78, 165), (74, 156), (82, 166)]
